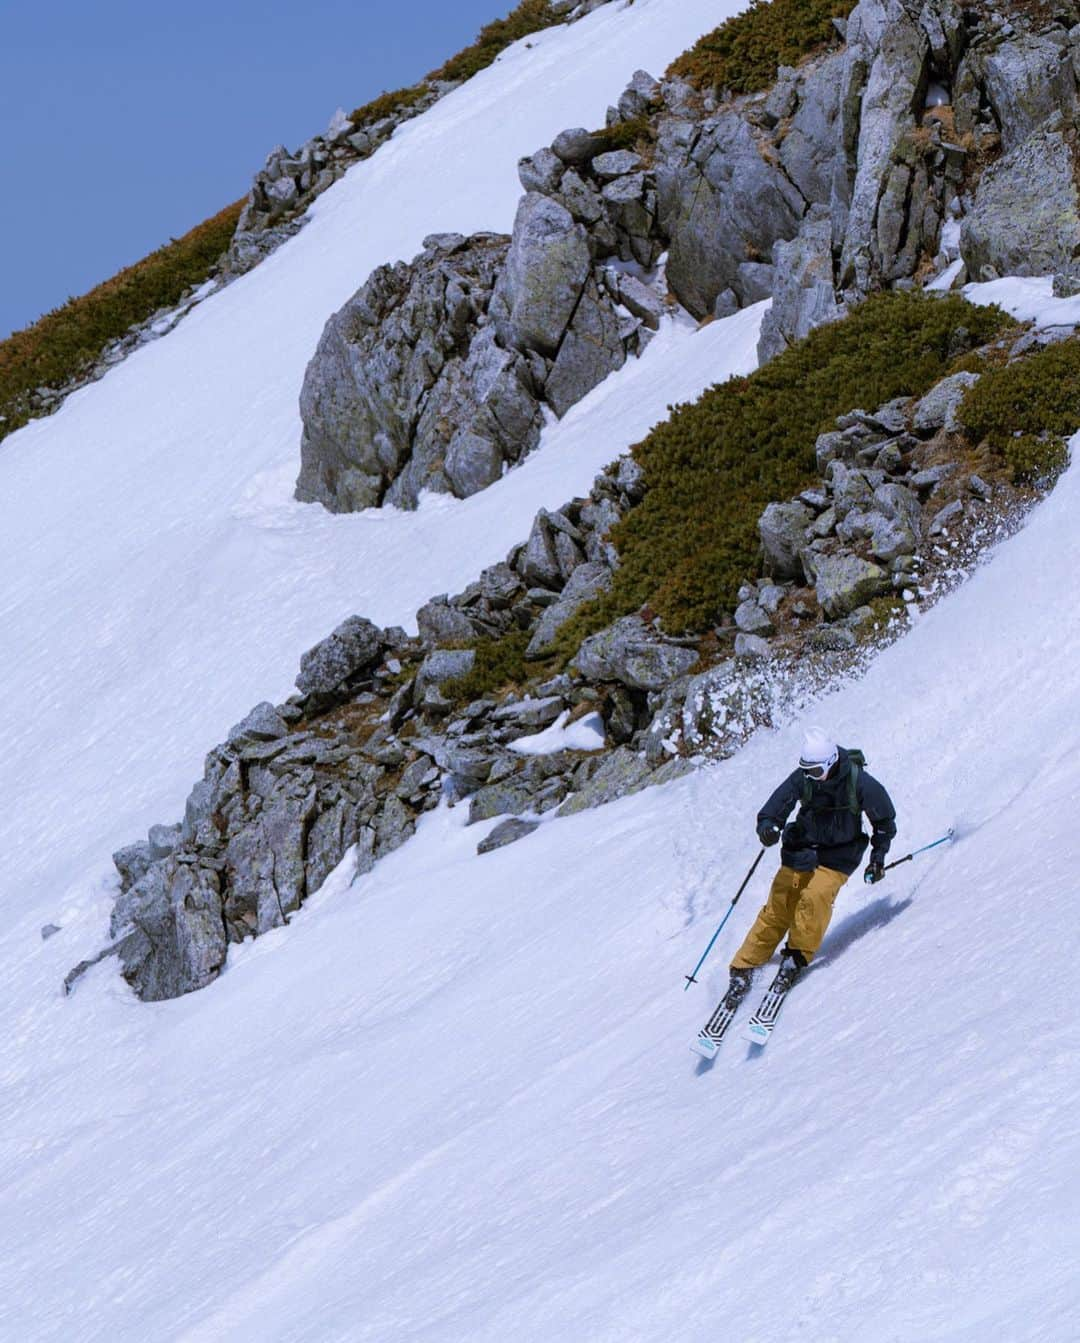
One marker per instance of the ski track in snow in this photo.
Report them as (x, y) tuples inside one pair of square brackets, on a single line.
[(455, 1101)]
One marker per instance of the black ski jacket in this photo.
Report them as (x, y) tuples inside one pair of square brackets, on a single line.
[(826, 832)]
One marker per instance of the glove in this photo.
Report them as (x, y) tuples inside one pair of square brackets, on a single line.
[(768, 832), (875, 872)]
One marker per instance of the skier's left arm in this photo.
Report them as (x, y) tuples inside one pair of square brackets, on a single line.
[(881, 813)]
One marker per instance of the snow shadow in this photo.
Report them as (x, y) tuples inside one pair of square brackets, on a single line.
[(877, 914)]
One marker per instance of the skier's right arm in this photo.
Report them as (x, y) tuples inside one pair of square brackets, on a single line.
[(773, 815)]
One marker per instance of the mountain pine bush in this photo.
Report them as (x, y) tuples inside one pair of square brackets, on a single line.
[(1027, 409), (743, 54), (712, 466), (68, 340)]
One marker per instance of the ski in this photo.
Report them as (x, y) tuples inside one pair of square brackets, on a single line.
[(760, 1026), (712, 1033)]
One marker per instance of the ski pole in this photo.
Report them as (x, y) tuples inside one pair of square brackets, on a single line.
[(908, 856), (690, 977)]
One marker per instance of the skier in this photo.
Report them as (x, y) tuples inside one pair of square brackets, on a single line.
[(821, 848)]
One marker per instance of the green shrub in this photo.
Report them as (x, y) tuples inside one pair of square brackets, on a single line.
[(529, 17), (500, 664), (637, 133), (1026, 410), (743, 54), (712, 466), (67, 341), (387, 103)]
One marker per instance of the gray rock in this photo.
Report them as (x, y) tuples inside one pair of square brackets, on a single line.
[(830, 446), (394, 825), (639, 299), (591, 348), (752, 647), (540, 172), (782, 528), (938, 408), (719, 200), (506, 832), (49, 930), (804, 295), (355, 646), (539, 564), (850, 489), (442, 665), (751, 619), (615, 164), (897, 501), (263, 723), (575, 146), (266, 865), (931, 477), (585, 584), (621, 772), (508, 797), (543, 276), (892, 537), (409, 389), (769, 598), (440, 623), (887, 59), (1025, 218), (1028, 78), (638, 95), (163, 839), (843, 582), (630, 653), (173, 932), (529, 715), (945, 517), (132, 862)]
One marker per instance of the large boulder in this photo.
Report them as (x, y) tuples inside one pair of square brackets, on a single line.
[(592, 347), (882, 80), (1025, 219), (355, 646), (408, 391), (546, 268), (844, 582), (720, 201), (782, 528), (1027, 79), (172, 930), (804, 294), (634, 655), (266, 865)]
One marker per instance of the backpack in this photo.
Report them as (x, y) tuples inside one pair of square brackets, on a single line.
[(857, 761)]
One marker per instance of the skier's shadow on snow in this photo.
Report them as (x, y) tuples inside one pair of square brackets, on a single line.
[(877, 914)]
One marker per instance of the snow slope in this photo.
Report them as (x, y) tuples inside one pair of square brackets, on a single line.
[(455, 1102), (157, 578)]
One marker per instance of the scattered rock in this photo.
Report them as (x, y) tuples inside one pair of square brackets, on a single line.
[(507, 832)]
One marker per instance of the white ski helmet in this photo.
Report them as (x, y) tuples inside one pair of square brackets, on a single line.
[(819, 753)]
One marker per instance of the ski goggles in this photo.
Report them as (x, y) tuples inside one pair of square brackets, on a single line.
[(815, 771)]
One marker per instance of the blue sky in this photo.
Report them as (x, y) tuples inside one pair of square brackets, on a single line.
[(124, 123)]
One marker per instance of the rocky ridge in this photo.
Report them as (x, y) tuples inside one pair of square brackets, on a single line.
[(385, 726), (864, 169)]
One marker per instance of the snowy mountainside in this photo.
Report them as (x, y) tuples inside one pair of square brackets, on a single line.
[(148, 531), (458, 1103), (463, 1105)]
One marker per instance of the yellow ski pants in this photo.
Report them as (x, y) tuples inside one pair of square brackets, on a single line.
[(799, 904)]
